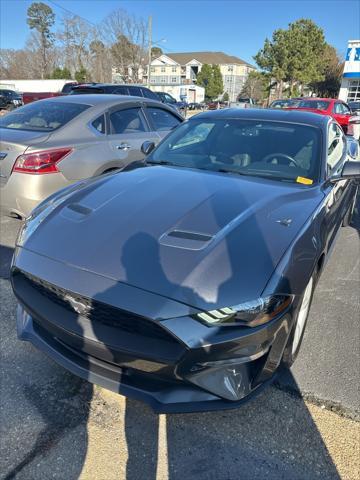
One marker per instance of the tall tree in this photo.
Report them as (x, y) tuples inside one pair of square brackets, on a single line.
[(256, 86), (273, 58), (41, 18), (156, 52), (333, 67), (75, 38), (293, 55), (100, 61), (306, 43), (128, 36), (210, 78)]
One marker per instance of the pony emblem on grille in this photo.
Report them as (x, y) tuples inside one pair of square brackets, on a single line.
[(79, 307)]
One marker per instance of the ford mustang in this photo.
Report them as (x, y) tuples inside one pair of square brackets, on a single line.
[(186, 280)]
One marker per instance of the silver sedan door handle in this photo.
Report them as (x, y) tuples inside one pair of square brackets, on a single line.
[(123, 146)]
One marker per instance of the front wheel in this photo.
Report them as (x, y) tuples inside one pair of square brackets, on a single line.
[(296, 336)]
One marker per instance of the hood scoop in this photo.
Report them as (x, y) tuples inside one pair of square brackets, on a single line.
[(185, 239), (76, 212)]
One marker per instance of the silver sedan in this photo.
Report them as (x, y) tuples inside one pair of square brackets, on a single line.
[(52, 143)]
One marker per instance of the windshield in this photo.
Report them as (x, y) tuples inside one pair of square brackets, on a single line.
[(317, 104), (42, 116), (279, 150), (284, 103)]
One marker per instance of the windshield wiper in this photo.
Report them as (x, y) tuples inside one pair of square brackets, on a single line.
[(225, 170), (161, 162)]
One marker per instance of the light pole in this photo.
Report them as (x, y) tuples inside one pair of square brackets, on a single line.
[(150, 47)]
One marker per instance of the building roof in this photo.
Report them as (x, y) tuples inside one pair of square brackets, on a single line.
[(216, 58)]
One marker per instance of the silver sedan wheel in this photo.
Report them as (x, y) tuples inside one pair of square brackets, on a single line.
[(302, 316)]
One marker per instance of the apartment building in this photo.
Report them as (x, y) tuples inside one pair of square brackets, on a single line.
[(182, 69)]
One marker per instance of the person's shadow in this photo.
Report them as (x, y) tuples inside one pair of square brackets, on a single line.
[(269, 437)]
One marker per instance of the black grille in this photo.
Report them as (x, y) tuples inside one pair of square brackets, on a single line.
[(97, 311)]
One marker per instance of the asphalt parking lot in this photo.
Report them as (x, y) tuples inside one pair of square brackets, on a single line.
[(54, 425)]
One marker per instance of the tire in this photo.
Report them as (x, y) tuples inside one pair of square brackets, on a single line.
[(10, 107), (297, 333)]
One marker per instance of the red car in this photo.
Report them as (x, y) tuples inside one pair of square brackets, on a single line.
[(337, 109)]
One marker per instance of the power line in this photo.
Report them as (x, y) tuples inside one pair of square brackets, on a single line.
[(95, 25), (71, 12)]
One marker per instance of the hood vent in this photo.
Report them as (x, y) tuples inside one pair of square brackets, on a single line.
[(200, 237), (185, 239)]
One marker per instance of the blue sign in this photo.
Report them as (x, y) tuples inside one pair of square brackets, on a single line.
[(353, 54)]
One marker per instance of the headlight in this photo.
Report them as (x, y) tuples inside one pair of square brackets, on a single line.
[(251, 314), (44, 208)]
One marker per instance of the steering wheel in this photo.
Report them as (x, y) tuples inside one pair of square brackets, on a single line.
[(278, 156)]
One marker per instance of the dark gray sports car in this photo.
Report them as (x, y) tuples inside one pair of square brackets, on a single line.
[(186, 280)]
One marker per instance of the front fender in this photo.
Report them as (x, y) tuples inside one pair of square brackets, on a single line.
[(302, 257)]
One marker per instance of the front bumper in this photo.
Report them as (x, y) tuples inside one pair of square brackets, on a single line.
[(174, 365), (22, 192)]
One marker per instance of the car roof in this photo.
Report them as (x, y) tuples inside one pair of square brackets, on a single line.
[(93, 99), (100, 85), (276, 115), (322, 99)]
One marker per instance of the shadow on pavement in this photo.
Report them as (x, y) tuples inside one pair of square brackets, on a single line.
[(6, 254), (273, 437)]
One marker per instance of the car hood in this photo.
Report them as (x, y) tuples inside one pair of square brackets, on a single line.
[(202, 238)]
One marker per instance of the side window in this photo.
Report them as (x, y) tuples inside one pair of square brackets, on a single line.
[(336, 147), (337, 108), (346, 109), (149, 94), (196, 135), (121, 91), (135, 91), (130, 120), (99, 124), (162, 119)]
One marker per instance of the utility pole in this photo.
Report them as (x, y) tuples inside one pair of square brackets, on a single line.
[(150, 48)]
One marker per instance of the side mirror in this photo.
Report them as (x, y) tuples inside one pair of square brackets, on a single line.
[(352, 147), (351, 170), (147, 147)]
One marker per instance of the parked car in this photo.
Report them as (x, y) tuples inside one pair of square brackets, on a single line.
[(197, 106), (217, 105), (284, 103), (187, 282), (9, 99), (164, 97), (337, 109), (115, 89), (244, 102), (354, 107), (49, 144), (29, 97)]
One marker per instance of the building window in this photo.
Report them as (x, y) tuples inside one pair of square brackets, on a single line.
[(173, 69), (163, 79), (152, 80), (230, 68), (162, 69), (173, 80), (152, 69), (353, 94)]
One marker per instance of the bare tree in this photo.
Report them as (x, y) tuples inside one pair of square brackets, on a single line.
[(100, 61), (127, 36), (41, 18), (75, 38)]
